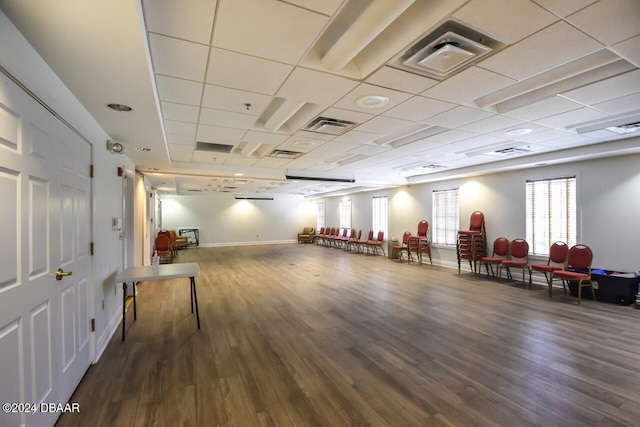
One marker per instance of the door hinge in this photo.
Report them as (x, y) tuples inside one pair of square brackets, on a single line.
[(93, 325), (91, 171), (91, 248)]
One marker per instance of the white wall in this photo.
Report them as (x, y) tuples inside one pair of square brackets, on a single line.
[(22, 61), (223, 221), (608, 207)]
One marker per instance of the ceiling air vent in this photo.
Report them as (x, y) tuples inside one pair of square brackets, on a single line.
[(285, 154), (510, 151), (215, 148), (328, 126), (625, 129), (449, 49)]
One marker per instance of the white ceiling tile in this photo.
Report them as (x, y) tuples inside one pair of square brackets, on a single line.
[(217, 133), (383, 125), (326, 7), (177, 139), (209, 116), (352, 116), (264, 137), (222, 98), (468, 86), (357, 137), (393, 78), (620, 105), (555, 45), (419, 108), (240, 161), (348, 102), (271, 162), (506, 21), (303, 145), (314, 135), (179, 91), (267, 29), (178, 58), (605, 90), (492, 124), (565, 7), (609, 21), (180, 112), (629, 50), (457, 117), (369, 150), (315, 87), (181, 153), (571, 118), (443, 138), (545, 108), (238, 71), (169, 17), (180, 128)]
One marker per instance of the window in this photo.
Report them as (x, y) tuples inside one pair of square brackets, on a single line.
[(380, 219), (345, 213), (320, 210), (551, 213), (446, 217)]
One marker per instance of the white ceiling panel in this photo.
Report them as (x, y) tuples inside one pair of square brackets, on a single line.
[(315, 87), (555, 45), (369, 150), (178, 58), (492, 124), (169, 17), (507, 22), (222, 98), (620, 105), (383, 125), (357, 137), (467, 86), (393, 78), (238, 71), (177, 139), (178, 90), (218, 133), (180, 112), (457, 117), (209, 116), (240, 161), (181, 153), (541, 136), (629, 50), (350, 115), (348, 102), (271, 162), (326, 7), (544, 108), (565, 7), (566, 120), (180, 128), (419, 108), (606, 90), (608, 20), (267, 29), (264, 137)]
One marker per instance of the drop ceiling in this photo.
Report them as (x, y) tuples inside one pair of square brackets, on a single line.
[(249, 76)]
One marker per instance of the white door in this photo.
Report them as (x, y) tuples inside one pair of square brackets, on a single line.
[(45, 223)]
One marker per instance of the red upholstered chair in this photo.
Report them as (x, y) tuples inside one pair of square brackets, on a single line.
[(470, 243), (319, 236), (578, 268), (353, 243), (348, 234), (171, 242), (500, 253), (423, 228), (162, 246), (518, 258), (404, 246), (557, 259), (362, 244), (377, 243)]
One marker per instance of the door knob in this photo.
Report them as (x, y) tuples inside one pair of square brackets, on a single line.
[(60, 273)]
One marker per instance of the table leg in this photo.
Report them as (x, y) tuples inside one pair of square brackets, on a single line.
[(195, 298), (124, 307), (135, 311)]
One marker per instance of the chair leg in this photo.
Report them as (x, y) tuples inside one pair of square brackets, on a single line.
[(550, 282)]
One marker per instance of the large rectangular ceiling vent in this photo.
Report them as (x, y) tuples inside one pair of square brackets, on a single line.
[(449, 49), (329, 126), (285, 154), (212, 147)]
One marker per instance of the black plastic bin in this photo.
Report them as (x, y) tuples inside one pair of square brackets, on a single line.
[(613, 287)]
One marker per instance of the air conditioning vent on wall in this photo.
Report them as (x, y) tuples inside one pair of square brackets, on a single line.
[(329, 126), (449, 49)]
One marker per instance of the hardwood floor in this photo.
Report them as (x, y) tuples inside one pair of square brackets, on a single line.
[(301, 335)]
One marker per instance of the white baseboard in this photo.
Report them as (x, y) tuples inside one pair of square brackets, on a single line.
[(262, 242), (104, 339)]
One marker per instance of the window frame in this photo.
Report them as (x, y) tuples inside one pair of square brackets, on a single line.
[(344, 213), (385, 220), (447, 220)]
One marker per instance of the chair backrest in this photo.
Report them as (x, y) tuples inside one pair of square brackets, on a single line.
[(332, 231), (164, 233), (519, 248), (501, 247), (423, 227), (477, 220), (558, 253), (580, 257), (321, 230), (344, 232), (380, 236), (161, 243), (370, 236), (405, 237), (352, 234)]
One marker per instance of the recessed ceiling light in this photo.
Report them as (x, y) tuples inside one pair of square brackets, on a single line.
[(372, 101), (143, 149), (119, 107), (519, 131), (304, 143), (238, 174)]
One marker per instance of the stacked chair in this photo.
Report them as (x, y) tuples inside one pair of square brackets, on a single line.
[(471, 243)]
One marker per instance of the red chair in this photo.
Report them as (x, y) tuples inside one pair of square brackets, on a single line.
[(404, 246), (162, 246), (578, 268), (470, 244), (422, 245), (518, 258), (319, 236), (500, 253), (364, 243), (377, 243), (167, 233), (347, 235), (557, 259), (353, 243), (423, 228)]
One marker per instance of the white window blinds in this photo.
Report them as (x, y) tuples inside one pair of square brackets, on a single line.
[(551, 213), (320, 212), (380, 218), (446, 216), (345, 213)]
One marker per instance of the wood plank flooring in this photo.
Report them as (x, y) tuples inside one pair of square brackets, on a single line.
[(302, 335)]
